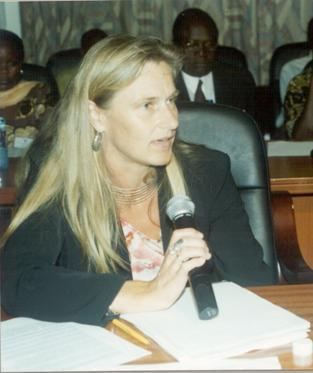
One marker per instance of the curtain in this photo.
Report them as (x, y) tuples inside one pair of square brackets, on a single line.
[(256, 27)]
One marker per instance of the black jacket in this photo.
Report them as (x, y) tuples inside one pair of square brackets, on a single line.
[(233, 87), (45, 275)]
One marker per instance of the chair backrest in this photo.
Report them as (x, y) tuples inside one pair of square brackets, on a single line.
[(42, 74), (280, 57), (231, 56), (63, 65), (236, 133)]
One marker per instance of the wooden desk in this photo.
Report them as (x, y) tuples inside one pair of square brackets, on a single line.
[(291, 174), (296, 298), (295, 176)]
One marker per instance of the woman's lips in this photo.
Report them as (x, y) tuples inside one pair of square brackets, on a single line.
[(164, 142)]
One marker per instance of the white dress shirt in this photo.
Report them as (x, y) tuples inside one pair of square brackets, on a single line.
[(191, 83)]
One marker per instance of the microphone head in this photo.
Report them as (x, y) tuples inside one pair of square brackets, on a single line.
[(178, 206)]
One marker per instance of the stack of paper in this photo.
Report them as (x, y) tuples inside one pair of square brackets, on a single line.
[(245, 322), (29, 345)]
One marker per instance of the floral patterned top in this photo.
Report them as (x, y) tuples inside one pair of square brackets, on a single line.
[(146, 254), (296, 97), (24, 108)]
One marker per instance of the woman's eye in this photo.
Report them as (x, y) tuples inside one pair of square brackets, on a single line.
[(172, 100), (148, 105)]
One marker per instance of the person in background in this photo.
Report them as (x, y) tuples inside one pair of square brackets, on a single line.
[(33, 158), (295, 66), (24, 104), (203, 78), (64, 64), (89, 38), (91, 239), (298, 106)]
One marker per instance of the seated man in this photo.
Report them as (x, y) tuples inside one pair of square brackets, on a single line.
[(89, 38), (298, 106), (204, 78)]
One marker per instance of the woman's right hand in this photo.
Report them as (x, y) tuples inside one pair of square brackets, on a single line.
[(173, 275), (164, 290)]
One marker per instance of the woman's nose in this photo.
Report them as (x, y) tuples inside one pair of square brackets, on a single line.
[(169, 116)]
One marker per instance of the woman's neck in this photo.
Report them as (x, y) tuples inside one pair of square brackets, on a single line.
[(131, 178)]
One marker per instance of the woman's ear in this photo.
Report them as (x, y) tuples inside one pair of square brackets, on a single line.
[(97, 117)]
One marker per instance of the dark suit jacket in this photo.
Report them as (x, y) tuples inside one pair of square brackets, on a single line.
[(233, 87), (45, 275)]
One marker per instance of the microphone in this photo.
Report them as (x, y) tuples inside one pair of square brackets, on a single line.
[(180, 209)]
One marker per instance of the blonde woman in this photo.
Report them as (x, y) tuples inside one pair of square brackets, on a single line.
[(91, 238)]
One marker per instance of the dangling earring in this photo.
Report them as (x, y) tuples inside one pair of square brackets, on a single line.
[(21, 71), (96, 141)]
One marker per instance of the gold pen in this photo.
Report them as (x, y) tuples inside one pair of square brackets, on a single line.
[(130, 331)]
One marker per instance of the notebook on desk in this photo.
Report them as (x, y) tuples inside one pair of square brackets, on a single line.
[(245, 322), (29, 345)]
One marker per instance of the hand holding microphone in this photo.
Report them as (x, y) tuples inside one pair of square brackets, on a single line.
[(180, 209)]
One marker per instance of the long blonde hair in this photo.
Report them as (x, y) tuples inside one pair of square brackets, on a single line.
[(66, 175)]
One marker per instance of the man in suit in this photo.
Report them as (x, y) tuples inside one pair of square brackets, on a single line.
[(203, 77)]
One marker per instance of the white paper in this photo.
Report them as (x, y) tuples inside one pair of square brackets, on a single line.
[(39, 346), (289, 148), (245, 322), (22, 142), (227, 364)]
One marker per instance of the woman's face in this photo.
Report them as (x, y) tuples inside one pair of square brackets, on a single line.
[(141, 122), (10, 66)]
